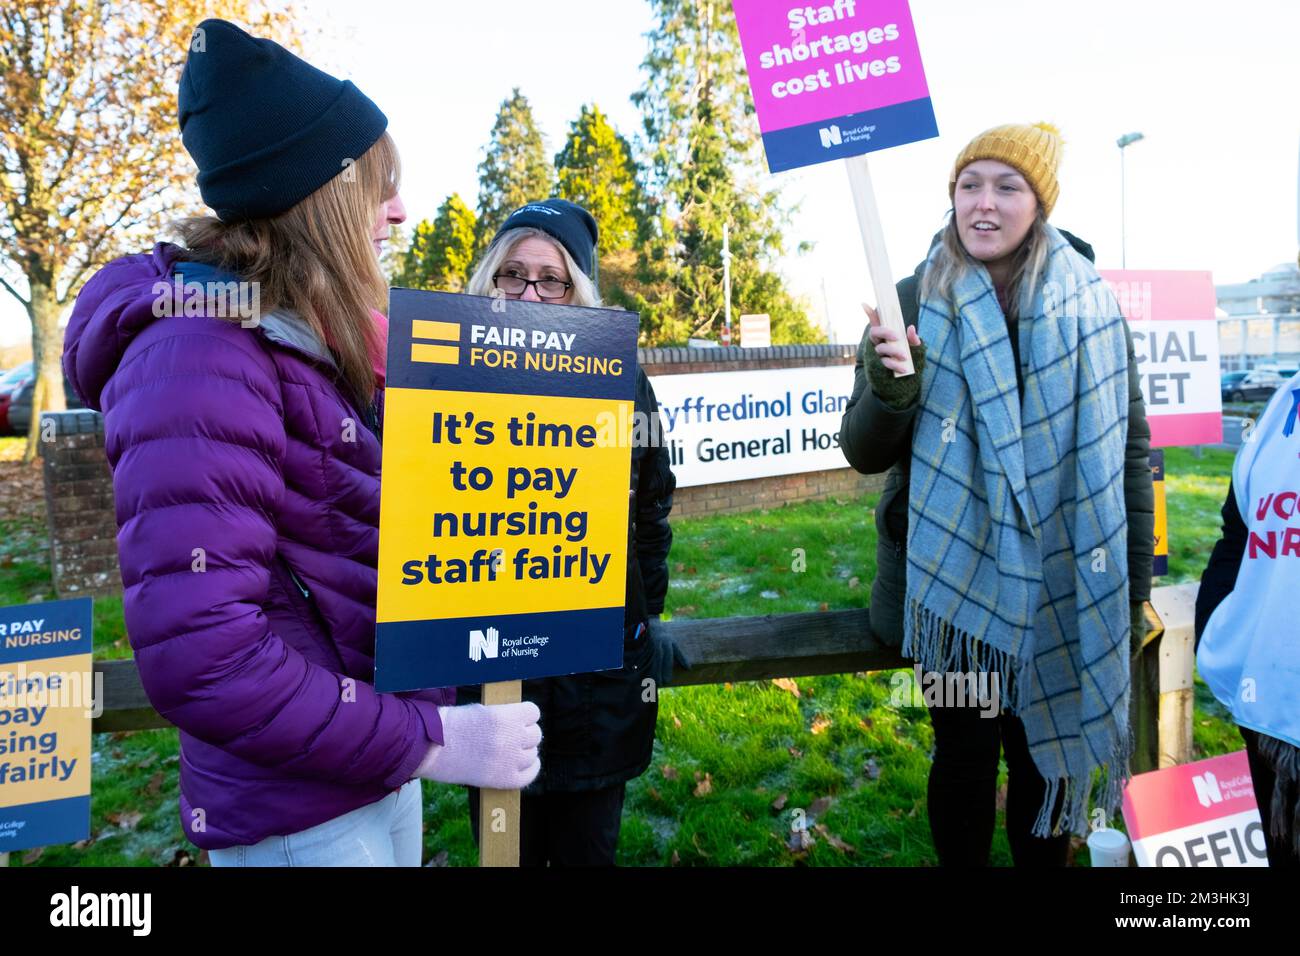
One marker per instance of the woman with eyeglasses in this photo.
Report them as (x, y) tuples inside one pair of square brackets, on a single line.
[(597, 729)]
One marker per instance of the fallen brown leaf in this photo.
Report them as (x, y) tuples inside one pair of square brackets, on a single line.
[(779, 803), (799, 842), (786, 684), (669, 773), (820, 806), (126, 820), (705, 785), (820, 723), (32, 855), (833, 840), (155, 784)]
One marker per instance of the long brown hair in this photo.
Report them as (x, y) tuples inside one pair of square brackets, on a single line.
[(1026, 268), (316, 259)]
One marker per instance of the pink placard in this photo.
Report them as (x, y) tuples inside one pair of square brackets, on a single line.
[(1162, 295), (1171, 315), (816, 62), (1196, 814), (1172, 798)]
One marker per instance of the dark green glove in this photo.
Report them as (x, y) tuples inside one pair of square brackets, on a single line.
[(897, 393), (665, 652), (1137, 632)]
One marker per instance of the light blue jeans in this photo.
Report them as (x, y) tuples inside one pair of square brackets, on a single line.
[(385, 833)]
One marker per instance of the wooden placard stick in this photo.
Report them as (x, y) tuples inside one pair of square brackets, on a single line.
[(873, 240), (498, 810)]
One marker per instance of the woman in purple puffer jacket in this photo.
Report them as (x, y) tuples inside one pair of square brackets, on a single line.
[(241, 379)]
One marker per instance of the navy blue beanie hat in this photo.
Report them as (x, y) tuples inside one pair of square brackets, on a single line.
[(265, 128), (566, 222)]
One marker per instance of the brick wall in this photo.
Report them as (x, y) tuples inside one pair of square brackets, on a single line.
[(79, 505), (759, 492)]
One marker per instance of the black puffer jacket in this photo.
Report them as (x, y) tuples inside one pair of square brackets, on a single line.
[(597, 730), (876, 438)]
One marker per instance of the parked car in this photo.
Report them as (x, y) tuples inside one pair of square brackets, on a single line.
[(20, 404), (1284, 372), (9, 382), (1253, 386)]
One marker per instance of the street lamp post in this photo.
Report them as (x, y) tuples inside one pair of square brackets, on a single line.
[(1127, 139), (726, 284)]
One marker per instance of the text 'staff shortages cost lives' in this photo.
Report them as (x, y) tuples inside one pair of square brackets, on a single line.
[(833, 79), (504, 506), (46, 701)]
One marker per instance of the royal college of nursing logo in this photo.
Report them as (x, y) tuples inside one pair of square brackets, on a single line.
[(831, 136), (483, 645), (1207, 788)]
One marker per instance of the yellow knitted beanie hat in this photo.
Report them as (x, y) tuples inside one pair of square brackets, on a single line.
[(1035, 151)]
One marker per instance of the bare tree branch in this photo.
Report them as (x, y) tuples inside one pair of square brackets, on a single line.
[(14, 293)]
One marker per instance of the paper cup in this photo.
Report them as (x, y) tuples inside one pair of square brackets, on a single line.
[(1108, 848)]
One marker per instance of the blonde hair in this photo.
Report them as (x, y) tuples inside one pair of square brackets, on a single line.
[(953, 262), (316, 259), (584, 290)]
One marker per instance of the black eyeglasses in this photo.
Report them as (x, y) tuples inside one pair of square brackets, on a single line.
[(546, 288)]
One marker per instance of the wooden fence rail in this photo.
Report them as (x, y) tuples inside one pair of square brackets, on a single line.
[(831, 642)]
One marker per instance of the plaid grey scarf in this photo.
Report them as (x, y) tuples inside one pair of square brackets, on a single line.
[(1016, 546)]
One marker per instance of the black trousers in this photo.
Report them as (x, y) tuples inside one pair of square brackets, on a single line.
[(1281, 853), (565, 829), (962, 793)]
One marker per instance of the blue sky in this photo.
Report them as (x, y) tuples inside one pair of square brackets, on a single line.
[(1212, 85)]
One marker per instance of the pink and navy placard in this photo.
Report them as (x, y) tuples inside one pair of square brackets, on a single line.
[(833, 80)]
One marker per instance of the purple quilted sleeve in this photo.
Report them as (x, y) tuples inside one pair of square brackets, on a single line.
[(195, 436)]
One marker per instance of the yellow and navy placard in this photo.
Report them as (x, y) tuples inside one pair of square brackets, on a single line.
[(46, 702), (1160, 566), (504, 507)]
